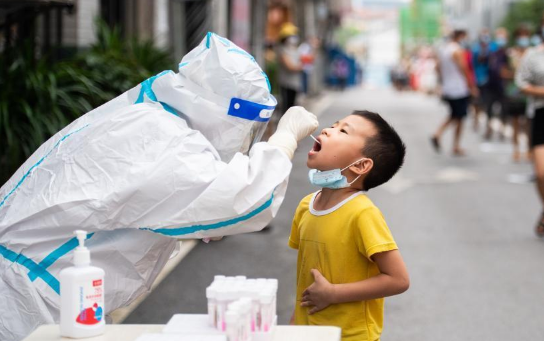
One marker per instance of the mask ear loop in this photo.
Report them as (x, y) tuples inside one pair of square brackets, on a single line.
[(350, 183)]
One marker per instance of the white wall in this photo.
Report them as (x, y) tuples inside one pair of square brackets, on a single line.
[(87, 11), (219, 20), (161, 24)]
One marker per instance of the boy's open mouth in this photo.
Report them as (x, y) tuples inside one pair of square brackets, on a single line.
[(317, 147)]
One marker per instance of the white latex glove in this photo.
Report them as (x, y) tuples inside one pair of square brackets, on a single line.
[(296, 124)]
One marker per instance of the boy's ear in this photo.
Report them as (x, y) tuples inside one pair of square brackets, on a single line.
[(362, 167)]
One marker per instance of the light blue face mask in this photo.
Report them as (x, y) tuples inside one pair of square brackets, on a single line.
[(332, 178), (501, 42), (535, 40), (523, 42)]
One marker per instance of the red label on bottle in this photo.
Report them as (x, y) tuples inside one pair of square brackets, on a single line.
[(97, 283)]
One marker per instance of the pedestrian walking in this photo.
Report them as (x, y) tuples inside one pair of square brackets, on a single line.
[(515, 104), (289, 66), (457, 86), (530, 79), (480, 58), (498, 62)]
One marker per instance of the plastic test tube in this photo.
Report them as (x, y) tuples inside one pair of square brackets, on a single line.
[(225, 295), (273, 282), (232, 320), (253, 294), (246, 309), (212, 305), (235, 306), (266, 299)]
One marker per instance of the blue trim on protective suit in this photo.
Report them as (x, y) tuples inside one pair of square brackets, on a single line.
[(32, 266), (195, 228), (267, 81), (208, 37), (146, 88), (37, 164), (55, 255), (243, 53)]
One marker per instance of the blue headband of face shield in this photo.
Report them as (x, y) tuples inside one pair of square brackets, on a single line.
[(250, 110)]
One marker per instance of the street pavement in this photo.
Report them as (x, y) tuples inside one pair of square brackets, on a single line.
[(464, 225)]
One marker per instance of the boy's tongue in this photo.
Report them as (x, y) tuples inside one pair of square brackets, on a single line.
[(316, 147), (317, 144)]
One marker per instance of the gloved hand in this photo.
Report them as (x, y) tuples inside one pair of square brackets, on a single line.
[(296, 124)]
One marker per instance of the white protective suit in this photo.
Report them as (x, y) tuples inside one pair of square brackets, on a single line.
[(157, 162)]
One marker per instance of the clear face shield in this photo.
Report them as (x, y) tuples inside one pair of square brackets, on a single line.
[(258, 114)]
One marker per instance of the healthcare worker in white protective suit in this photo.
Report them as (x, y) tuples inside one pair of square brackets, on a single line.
[(165, 160)]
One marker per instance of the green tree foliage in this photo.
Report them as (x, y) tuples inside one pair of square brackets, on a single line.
[(38, 98), (528, 12)]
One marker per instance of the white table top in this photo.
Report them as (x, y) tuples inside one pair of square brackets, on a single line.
[(130, 332)]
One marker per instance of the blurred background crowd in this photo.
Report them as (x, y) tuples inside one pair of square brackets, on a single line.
[(497, 104), (493, 57)]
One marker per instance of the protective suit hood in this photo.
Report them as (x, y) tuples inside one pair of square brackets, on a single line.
[(226, 83)]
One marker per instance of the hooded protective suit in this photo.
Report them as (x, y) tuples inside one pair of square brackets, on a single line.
[(157, 162)]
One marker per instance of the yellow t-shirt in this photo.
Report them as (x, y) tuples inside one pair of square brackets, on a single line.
[(339, 243)]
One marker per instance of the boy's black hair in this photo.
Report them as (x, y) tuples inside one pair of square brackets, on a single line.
[(385, 148)]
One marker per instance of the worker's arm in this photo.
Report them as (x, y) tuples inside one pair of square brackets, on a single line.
[(392, 280)]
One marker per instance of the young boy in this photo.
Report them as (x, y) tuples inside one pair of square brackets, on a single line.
[(347, 258)]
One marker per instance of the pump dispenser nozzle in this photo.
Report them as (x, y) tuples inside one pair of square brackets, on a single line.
[(81, 236), (82, 256)]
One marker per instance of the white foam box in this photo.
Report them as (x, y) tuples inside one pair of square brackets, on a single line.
[(197, 324), (178, 337)]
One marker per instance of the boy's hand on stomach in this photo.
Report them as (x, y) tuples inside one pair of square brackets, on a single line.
[(319, 295)]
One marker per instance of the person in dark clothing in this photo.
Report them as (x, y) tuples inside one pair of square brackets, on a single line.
[(498, 60)]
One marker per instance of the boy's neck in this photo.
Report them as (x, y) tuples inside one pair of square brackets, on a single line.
[(328, 198)]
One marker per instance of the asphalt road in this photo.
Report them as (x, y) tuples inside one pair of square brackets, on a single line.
[(464, 226)]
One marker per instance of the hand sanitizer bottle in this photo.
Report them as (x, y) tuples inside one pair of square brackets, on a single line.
[(82, 295)]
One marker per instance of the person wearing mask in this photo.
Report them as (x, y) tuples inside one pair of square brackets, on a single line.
[(480, 58), (515, 100), (176, 157), (457, 86), (530, 79), (498, 61), (290, 66)]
